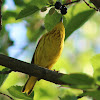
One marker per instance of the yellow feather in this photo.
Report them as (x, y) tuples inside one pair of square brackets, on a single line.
[(47, 52)]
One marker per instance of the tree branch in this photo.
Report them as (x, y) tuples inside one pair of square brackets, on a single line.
[(31, 69)]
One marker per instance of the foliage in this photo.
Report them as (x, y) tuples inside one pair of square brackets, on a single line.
[(96, 65), (30, 9), (94, 94), (69, 96), (16, 92), (79, 81), (2, 76), (74, 60)]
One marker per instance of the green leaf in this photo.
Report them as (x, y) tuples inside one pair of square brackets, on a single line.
[(76, 16), (94, 94), (19, 2), (79, 80), (68, 96), (29, 10), (52, 20), (16, 92), (3, 76), (96, 65), (8, 14)]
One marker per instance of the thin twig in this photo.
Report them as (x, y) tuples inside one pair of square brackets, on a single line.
[(66, 3), (96, 3), (7, 96), (90, 6), (71, 2)]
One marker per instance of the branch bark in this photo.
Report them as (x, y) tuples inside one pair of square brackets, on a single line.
[(31, 69)]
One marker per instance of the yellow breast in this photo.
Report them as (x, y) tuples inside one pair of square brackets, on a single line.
[(50, 47)]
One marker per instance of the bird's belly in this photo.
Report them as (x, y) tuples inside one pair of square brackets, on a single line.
[(49, 53)]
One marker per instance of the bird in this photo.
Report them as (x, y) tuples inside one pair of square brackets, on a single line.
[(47, 52)]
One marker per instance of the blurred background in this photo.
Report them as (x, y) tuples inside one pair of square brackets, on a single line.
[(18, 39)]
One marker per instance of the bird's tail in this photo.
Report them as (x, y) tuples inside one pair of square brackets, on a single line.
[(28, 87)]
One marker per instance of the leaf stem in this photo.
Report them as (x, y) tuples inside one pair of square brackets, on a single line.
[(71, 2), (90, 6)]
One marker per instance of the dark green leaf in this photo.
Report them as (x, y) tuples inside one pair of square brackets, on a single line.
[(19, 2), (29, 10), (16, 92), (76, 16), (96, 65), (79, 80), (3, 76), (95, 94), (8, 14), (3, 2)]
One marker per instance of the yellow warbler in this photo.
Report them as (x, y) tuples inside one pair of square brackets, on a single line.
[(47, 52)]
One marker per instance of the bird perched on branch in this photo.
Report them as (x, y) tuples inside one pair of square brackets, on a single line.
[(47, 52)]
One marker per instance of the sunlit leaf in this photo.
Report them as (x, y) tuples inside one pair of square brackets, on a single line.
[(96, 65), (16, 92), (76, 16)]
